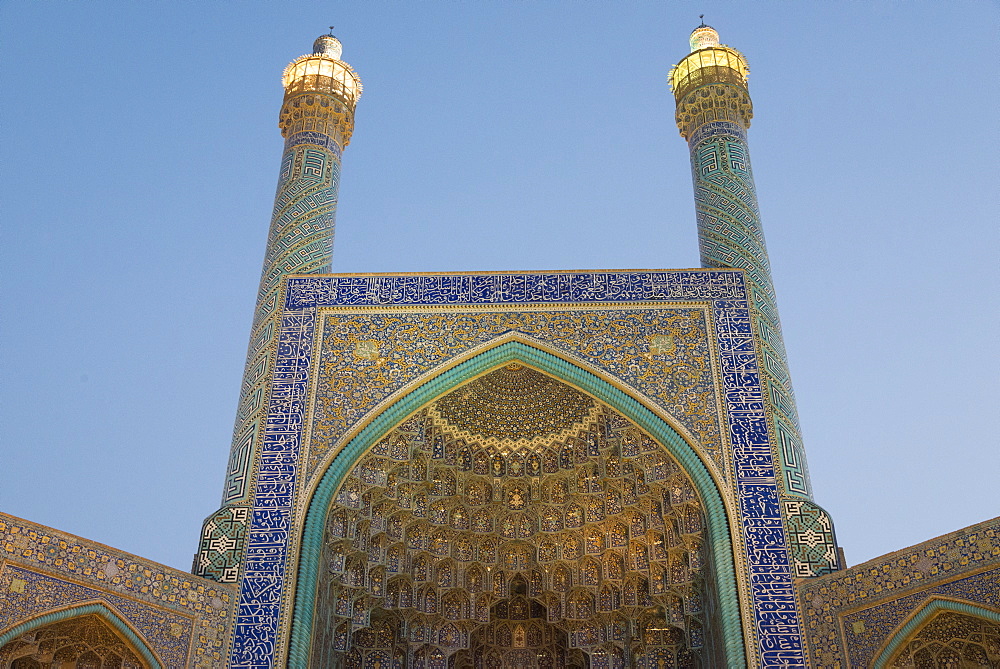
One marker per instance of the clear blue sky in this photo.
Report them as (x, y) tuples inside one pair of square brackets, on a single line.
[(140, 155)]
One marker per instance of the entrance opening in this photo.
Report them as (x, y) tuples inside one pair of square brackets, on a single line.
[(515, 522)]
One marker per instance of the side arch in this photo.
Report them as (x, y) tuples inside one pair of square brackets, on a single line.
[(922, 616), (101, 609), (560, 368)]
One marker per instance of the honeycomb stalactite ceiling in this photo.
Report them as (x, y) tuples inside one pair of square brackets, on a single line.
[(514, 404), (514, 512), (85, 641), (952, 639)]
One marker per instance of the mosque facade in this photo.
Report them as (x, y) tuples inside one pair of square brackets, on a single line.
[(510, 469)]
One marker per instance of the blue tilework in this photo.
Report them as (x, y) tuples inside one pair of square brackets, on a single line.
[(264, 563), (730, 235), (316, 139), (767, 563), (300, 240), (264, 595), (540, 288)]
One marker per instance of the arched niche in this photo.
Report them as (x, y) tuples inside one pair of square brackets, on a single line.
[(91, 635), (944, 633), (338, 489)]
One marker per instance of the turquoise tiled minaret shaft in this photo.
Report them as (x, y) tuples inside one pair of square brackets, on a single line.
[(316, 120), (713, 114)]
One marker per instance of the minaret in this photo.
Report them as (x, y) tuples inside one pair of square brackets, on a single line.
[(713, 114), (316, 120)]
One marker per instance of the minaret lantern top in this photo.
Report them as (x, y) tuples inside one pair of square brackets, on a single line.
[(709, 62), (322, 71)]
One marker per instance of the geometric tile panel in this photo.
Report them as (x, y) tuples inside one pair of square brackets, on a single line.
[(222, 540), (814, 545), (790, 450), (239, 457)]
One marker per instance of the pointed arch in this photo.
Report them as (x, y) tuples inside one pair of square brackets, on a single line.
[(508, 350), (100, 609), (924, 615)]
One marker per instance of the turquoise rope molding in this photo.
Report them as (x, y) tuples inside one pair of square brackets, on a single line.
[(100, 609), (928, 611), (319, 504)]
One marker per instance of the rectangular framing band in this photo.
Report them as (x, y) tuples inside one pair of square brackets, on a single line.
[(762, 555)]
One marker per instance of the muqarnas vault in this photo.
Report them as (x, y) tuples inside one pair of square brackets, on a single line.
[(536, 469)]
